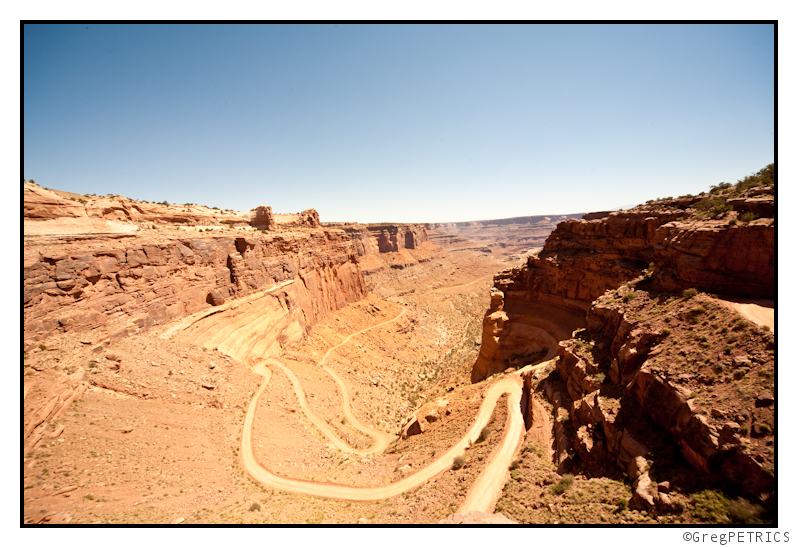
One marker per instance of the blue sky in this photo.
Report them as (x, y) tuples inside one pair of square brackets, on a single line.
[(397, 123)]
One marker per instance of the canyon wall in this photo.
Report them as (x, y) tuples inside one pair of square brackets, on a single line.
[(125, 283), (582, 259), (117, 266), (628, 401), (390, 246), (661, 375), (125, 288)]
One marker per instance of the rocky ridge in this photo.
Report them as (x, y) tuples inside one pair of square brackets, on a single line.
[(639, 396)]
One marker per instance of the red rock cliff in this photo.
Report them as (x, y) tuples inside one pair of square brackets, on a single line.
[(581, 259), (123, 288)]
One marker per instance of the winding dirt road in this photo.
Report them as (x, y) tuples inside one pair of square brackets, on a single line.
[(511, 385), (483, 493)]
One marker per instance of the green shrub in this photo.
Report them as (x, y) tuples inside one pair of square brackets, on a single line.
[(711, 505), (747, 217), (629, 296), (562, 486), (764, 177), (717, 189), (689, 293), (42, 347), (666, 331), (458, 463)]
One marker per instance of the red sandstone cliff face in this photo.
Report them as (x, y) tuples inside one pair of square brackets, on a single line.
[(582, 259), (135, 286), (648, 406), (394, 246), (624, 384)]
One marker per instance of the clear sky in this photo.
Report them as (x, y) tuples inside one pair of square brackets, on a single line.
[(395, 123)]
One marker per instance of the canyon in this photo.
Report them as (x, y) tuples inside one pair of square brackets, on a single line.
[(184, 364)]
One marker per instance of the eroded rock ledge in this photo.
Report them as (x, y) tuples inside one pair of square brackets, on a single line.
[(123, 286)]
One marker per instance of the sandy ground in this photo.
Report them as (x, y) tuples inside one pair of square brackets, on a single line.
[(759, 311)]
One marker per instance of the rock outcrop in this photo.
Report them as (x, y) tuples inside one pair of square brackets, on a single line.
[(618, 396), (582, 259), (56, 212), (393, 246), (644, 409), (308, 218), (124, 289), (263, 219), (517, 330)]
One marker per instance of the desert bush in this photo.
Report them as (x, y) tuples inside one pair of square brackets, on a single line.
[(629, 296), (710, 505), (747, 217), (716, 205), (563, 485), (42, 347), (764, 177), (742, 511), (483, 435), (254, 506), (458, 463), (689, 293), (666, 331), (717, 189), (534, 448)]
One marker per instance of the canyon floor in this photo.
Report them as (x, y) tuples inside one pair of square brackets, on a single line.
[(156, 437)]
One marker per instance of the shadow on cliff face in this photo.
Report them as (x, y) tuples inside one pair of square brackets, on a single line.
[(522, 333)]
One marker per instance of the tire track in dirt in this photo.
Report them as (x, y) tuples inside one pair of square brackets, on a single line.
[(511, 385)]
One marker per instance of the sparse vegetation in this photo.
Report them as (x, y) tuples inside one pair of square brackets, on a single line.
[(563, 484), (629, 296), (711, 506), (458, 463), (689, 293)]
